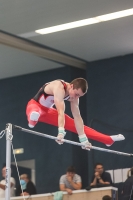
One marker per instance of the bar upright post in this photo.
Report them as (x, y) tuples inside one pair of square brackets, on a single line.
[(9, 137)]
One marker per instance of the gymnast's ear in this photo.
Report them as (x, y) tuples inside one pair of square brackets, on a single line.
[(71, 86)]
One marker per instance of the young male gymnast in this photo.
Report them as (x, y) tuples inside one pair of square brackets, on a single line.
[(40, 109)]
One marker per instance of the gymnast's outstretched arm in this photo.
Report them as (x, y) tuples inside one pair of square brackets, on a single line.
[(79, 124)]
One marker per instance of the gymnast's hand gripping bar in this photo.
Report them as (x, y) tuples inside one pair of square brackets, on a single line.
[(68, 141)]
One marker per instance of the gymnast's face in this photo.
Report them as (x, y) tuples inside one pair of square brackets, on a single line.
[(75, 93)]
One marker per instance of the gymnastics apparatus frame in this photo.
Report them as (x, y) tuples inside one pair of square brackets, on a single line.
[(8, 131)]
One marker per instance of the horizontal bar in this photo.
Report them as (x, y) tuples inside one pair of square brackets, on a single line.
[(68, 141)]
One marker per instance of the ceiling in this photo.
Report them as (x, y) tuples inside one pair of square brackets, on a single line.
[(89, 43)]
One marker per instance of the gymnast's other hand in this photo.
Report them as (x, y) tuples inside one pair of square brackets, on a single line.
[(61, 135), (85, 143)]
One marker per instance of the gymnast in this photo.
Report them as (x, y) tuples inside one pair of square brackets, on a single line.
[(40, 109)]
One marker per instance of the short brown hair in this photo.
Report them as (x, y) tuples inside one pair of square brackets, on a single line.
[(80, 83)]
